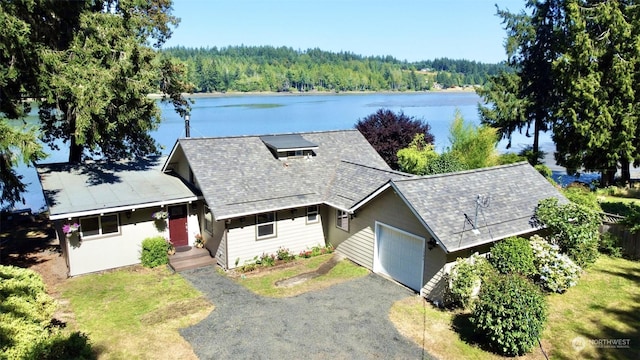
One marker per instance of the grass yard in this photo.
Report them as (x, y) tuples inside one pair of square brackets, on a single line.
[(263, 282), (135, 313), (605, 305)]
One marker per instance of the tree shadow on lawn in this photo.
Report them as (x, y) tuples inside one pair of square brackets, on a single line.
[(613, 343), (461, 324)]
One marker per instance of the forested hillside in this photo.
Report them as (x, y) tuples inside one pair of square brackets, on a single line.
[(267, 68)]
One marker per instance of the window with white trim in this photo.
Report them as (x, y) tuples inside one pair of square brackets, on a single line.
[(99, 225), (208, 220), (265, 225), (312, 214), (342, 220)]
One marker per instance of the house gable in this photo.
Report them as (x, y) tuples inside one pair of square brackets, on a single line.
[(471, 208)]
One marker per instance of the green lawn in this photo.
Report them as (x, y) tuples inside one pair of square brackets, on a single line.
[(135, 313), (263, 281), (604, 306)]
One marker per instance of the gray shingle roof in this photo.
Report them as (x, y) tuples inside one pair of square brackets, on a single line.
[(442, 200), (95, 187), (354, 182), (240, 176)]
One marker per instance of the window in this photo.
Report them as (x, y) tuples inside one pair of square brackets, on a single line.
[(312, 214), (342, 220), (265, 225), (99, 225), (208, 220)]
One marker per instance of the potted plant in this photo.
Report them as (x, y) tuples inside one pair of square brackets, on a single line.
[(199, 243), (170, 248), (160, 215)]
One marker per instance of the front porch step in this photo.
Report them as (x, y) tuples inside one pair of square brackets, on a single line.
[(190, 258)]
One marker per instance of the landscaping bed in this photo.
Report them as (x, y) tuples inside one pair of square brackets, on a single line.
[(584, 322)]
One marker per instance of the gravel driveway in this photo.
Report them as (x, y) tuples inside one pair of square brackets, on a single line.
[(345, 321)]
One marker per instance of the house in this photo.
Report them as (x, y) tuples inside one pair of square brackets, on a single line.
[(249, 195), (114, 203)]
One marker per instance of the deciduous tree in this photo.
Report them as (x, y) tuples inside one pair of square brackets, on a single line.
[(389, 132)]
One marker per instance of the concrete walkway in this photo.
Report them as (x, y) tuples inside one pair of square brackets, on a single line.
[(345, 321)]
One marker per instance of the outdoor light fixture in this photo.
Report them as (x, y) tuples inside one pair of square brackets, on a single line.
[(432, 244)]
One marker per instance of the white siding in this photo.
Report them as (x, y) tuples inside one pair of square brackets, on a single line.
[(387, 208), (294, 234), (113, 251)]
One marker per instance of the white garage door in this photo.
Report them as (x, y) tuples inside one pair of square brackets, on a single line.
[(399, 255)]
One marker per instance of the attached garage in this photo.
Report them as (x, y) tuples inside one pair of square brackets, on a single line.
[(399, 255)]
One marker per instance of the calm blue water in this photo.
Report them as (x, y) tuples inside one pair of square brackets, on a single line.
[(269, 114)]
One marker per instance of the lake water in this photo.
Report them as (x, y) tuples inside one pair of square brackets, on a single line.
[(270, 114)]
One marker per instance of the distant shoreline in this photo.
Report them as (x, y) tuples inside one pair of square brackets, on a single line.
[(468, 89)]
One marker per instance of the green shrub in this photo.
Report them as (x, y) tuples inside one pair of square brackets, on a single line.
[(62, 346), (555, 271), (247, 267), (445, 163), (544, 170), (510, 158), (509, 314), (573, 227), (154, 252), (26, 312), (610, 245), (582, 195), (632, 219), (513, 256), (465, 280)]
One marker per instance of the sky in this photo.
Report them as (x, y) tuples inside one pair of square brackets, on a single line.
[(411, 30)]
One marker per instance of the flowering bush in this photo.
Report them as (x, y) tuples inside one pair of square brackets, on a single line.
[(70, 228), (465, 280), (556, 271), (284, 254), (266, 260), (316, 250)]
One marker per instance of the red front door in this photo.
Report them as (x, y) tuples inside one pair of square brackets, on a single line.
[(178, 225)]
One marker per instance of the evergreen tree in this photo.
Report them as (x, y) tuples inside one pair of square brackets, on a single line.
[(91, 65), (526, 97), (597, 127)]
